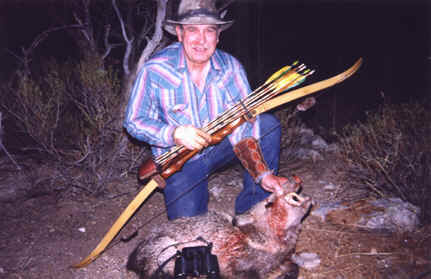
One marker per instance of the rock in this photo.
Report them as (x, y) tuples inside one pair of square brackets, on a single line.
[(397, 216), (306, 136), (391, 214), (307, 154), (306, 260), (325, 207), (319, 143)]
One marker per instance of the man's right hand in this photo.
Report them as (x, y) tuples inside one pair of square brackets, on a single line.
[(191, 137)]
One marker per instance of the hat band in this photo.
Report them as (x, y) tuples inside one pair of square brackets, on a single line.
[(198, 12)]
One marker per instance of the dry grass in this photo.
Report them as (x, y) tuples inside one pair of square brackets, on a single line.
[(390, 154), (351, 252)]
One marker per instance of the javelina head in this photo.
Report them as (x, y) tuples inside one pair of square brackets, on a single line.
[(277, 216)]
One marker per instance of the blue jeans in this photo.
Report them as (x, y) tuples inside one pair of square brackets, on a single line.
[(186, 192)]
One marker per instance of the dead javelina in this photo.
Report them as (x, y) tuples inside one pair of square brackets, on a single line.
[(257, 244)]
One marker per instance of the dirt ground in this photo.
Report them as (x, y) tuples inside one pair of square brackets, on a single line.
[(42, 236)]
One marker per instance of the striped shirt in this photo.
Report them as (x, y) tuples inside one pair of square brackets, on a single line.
[(165, 97)]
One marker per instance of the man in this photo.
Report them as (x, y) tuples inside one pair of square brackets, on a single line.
[(184, 87)]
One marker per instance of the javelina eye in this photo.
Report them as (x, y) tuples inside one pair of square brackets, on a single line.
[(293, 199)]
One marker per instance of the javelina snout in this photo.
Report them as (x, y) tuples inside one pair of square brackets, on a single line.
[(257, 244)]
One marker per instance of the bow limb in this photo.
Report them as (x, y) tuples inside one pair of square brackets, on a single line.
[(307, 90), (119, 223)]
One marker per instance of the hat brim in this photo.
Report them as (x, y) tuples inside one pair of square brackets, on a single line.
[(169, 25)]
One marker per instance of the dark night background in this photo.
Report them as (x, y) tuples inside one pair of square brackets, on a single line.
[(393, 37), (92, 178)]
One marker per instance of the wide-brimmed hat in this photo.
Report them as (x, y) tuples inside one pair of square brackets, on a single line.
[(197, 12)]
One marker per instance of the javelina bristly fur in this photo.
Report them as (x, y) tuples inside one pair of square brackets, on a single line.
[(257, 244)]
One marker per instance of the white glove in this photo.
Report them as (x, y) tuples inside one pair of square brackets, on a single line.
[(191, 137)]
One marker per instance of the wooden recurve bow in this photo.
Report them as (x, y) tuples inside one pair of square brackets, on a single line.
[(157, 178)]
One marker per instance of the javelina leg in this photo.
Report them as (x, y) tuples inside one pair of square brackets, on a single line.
[(288, 270)]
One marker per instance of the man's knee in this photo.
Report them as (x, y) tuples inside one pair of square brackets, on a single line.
[(269, 126), (270, 131), (187, 202), (269, 119)]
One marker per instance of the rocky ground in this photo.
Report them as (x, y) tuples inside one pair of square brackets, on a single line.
[(42, 235)]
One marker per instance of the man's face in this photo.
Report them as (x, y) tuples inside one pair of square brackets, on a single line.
[(199, 41)]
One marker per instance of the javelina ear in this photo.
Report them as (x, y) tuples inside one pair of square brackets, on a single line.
[(243, 220), (293, 184)]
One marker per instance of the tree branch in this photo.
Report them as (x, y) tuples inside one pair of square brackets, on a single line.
[(158, 34), (26, 52), (108, 46), (4, 148), (129, 42), (225, 5)]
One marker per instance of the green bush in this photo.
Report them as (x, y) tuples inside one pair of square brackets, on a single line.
[(37, 106), (390, 154), (73, 113)]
